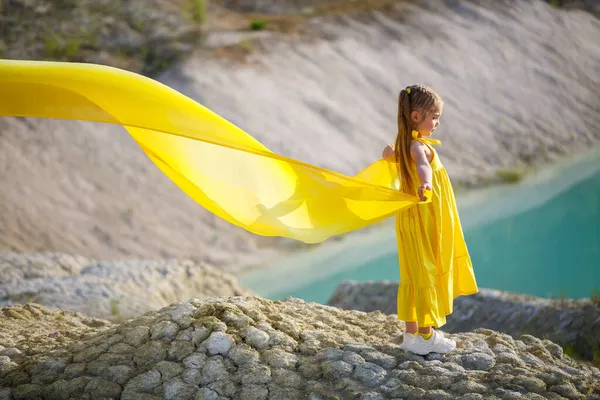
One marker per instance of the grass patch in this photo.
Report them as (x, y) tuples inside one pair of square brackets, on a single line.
[(199, 11), (561, 298), (572, 353), (247, 46), (51, 46), (115, 311), (511, 175), (595, 297), (569, 351), (59, 48), (596, 359), (258, 24), (72, 47)]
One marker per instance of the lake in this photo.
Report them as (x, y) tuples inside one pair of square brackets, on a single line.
[(540, 237)]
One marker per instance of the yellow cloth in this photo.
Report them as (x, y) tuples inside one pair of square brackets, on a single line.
[(435, 266), (224, 169)]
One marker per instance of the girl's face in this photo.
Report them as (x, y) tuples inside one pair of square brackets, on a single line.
[(427, 122)]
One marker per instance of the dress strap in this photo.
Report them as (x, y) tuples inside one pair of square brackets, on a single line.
[(431, 142)]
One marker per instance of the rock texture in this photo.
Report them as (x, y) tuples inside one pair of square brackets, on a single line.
[(250, 348), (283, 7), (142, 36), (111, 290), (591, 6), (311, 6), (27, 330), (336, 107), (574, 324)]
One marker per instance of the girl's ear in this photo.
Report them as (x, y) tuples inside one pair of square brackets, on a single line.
[(415, 116)]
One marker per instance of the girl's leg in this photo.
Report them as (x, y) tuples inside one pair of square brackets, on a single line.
[(427, 330), (412, 327)]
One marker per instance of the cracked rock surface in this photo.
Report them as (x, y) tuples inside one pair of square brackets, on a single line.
[(251, 348), (114, 290), (31, 329), (574, 323)]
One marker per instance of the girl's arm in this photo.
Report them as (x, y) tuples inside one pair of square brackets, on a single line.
[(418, 152)]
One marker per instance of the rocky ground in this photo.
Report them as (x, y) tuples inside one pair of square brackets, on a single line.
[(574, 324), (250, 348), (115, 291), (27, 330)]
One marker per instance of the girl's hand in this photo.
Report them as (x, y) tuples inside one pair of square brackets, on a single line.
[(423, 188)]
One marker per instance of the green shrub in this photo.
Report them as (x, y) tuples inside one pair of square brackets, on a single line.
[(510, 175), (199, 11), (258, 24)]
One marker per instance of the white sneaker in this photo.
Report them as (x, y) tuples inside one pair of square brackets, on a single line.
[(437, 343), (408, 341)]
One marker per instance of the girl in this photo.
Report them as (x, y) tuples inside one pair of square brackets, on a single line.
[(435, 266)]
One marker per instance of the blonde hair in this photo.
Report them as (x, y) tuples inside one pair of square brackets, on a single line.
[(413, 98)]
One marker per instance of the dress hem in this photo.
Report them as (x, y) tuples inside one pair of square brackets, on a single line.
[(430, 305)]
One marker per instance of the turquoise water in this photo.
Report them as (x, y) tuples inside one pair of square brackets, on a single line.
[(541, 237)]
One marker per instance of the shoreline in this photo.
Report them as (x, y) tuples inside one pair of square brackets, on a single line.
[(360, 247)]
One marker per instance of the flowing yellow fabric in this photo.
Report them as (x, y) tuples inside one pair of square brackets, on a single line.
[(220, 166)]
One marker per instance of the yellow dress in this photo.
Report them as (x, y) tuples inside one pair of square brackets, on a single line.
[(435, 266)]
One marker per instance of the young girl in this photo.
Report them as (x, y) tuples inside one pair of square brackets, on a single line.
[(435, 266)]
